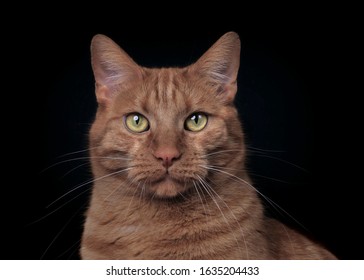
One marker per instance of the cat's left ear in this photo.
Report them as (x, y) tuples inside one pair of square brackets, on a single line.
[(220, 65)]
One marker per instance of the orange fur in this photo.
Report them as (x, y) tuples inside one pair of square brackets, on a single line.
[(170, 193)]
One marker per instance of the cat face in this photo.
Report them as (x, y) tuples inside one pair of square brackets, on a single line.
[(163, 131)]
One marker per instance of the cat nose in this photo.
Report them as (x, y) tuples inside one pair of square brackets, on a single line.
[(168, 155)]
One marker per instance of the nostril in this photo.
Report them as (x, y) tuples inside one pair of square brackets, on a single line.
[(167, 155), (167, 162)]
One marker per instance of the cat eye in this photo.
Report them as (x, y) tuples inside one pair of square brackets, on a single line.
[(196, 122), (136, 122)]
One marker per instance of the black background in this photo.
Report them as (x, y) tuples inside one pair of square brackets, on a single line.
[(283, 102)]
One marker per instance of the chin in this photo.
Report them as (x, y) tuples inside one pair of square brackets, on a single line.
[(168, 188)]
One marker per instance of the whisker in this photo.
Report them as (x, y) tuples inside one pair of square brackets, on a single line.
[(259, 153), (73, 169), (181, 195), (207, 189), (224, 151), (72, 247), (132, 198), (142, 193), (252, 149), (211, 193), (109, 195), (235, 218), (265, 150), (282, 160), (112, 192), (88, 182), (60, 232), (270, 201), (269, 178), (200, 197), (81, 158), (64, 161), (55, 210), (251, 173), (78, 152), (289, 238)]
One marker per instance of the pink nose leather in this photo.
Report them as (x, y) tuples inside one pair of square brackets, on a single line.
[(167, 155)]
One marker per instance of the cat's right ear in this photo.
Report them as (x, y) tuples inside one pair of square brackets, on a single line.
[(112, 67)]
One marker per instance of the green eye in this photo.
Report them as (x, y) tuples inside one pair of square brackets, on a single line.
[(136, 122), (196, 122)]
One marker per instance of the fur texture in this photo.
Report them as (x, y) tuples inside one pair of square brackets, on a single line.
[(168, 192)]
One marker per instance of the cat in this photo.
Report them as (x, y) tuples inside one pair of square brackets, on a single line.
[(168, 158)]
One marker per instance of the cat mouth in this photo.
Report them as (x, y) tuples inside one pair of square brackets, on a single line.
[(167, 187)]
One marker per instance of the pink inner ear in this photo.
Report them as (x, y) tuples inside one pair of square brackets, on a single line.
[(220, 64), (111, 66)]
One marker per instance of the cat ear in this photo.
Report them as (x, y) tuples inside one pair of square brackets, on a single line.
[(112, 67), (220, 65)]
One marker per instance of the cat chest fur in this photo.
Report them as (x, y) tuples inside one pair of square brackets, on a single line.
[(171, 230)]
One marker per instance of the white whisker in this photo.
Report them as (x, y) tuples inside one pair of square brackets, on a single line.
[(77, 152), (132, 198), (259, 153), (235, 218), (200, 197), (82, 158), (61, 230), (238, 179), (211, 193), (224, 151), (289, 238), (282, 160), (269, 178), (55, 210), (251, 173), (89, 182), (264, 150), (74, 246), (142, 192), (75, 168)]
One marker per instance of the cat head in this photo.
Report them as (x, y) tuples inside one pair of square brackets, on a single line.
[(166, 130)]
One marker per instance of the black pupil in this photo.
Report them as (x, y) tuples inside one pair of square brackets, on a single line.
[(195, 118), (137, 119)]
